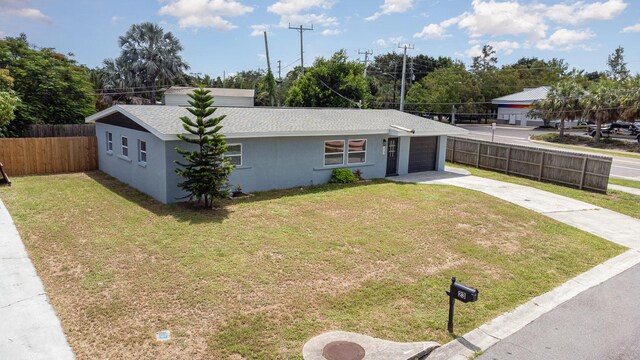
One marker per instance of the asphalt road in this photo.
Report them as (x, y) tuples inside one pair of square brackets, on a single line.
[(624, 168), (601, 323)]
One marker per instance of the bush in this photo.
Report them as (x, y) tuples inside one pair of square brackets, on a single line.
[(342, 176)]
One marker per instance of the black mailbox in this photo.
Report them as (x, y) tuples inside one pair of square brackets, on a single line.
[(464, 293), (460, 292)]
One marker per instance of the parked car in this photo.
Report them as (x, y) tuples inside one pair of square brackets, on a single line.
[(604, 130), (635, 131)]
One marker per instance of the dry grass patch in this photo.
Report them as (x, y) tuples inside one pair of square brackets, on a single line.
[(260, 277)]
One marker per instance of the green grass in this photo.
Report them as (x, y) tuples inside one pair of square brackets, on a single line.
[(261, 276), (624, 182), (606, 146), (618, 201)]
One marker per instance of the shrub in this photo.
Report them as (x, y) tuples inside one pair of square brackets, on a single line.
[(342, 176)]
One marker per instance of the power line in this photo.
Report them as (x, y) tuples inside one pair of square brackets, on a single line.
[(358, 103)]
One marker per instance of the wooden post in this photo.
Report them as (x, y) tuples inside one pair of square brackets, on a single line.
[(453, 151), (584, 172), (478, 156), (508, 160), (541, 166)]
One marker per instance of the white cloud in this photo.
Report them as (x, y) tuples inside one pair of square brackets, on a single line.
[(381, 43), (581, 12), (331, 32), (632, 28), (431, 31), (530, 20), (390, 42), (306, 13), (259, 29), (30, 13), (116, 19), (391, 7), (504, 47), (501, 47), (564, 39), (205, 13)]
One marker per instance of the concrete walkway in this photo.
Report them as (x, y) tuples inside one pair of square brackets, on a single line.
[(615, 227), (626, 189), (29, 327)]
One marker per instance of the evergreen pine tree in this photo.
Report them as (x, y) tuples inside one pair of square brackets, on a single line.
[(205, 170)]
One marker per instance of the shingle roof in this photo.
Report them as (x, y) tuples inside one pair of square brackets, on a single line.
[(216, 92), (526, 96), (165, 121)]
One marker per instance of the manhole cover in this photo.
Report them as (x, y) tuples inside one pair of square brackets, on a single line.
[(343, 350)]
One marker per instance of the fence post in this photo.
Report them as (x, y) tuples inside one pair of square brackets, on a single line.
[(541, 166), (508, 160), (584, 172), (453, 151), (478, 156)]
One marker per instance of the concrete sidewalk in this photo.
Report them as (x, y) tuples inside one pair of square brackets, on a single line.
[(615, 227), (626, 189), (29, 327)]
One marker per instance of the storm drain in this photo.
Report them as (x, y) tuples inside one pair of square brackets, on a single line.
[(343, 350)]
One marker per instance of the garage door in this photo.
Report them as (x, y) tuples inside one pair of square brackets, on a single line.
[(422, 154)]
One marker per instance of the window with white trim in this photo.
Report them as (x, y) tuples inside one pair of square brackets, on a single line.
[(357, 151), (142, 151), (109, 141), (125, 146), (234, 154), (333, 152)]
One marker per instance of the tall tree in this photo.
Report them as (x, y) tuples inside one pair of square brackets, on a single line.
[(8, 99), (602, 104), (442, 89), (630, 99), (53, 88), (563, 102), (334, 82), (149, 58), (485, 62), (617, 66), (266, 90), (205, 170)]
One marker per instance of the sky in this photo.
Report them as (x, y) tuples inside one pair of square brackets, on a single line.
[(226, 36)]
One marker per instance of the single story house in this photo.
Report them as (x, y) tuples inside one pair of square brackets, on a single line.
[(272, 148), (179, 96), (513, 109)]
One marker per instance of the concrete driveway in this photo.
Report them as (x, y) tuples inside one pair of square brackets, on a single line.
[(29, 327)]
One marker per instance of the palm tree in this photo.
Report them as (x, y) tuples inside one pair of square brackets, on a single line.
[(602, 104), (150, 57), (630, 100), (562, 102)]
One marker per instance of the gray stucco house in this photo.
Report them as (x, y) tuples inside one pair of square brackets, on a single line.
[(272, 148)]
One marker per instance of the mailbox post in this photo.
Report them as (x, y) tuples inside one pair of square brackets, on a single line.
[(460, 292)]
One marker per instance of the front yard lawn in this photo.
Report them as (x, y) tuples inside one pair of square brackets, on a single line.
[(259, 278), (618, 201)]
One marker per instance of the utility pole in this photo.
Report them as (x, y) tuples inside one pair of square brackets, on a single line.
[(412, 78), (404, 73), (301, 30), (366, 54), (279, 70), (266, 47)]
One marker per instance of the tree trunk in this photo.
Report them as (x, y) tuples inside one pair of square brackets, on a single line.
[(561, 127), (596, 138)]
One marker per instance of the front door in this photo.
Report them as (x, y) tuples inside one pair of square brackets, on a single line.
[(392, 157)]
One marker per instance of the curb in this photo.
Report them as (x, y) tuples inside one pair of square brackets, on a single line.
[(505, 325)]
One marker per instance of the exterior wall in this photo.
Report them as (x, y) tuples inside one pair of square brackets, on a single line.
[(517, 116), (149, 178), (281, 163), (228, 101)]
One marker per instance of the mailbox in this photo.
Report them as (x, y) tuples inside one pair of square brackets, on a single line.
[(460, 292), (464, 293)]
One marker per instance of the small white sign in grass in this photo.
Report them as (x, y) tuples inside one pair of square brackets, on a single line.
[(164, 335)]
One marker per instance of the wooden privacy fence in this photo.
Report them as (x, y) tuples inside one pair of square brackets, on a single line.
[(570, 169), (61, 130), (39, 156)]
